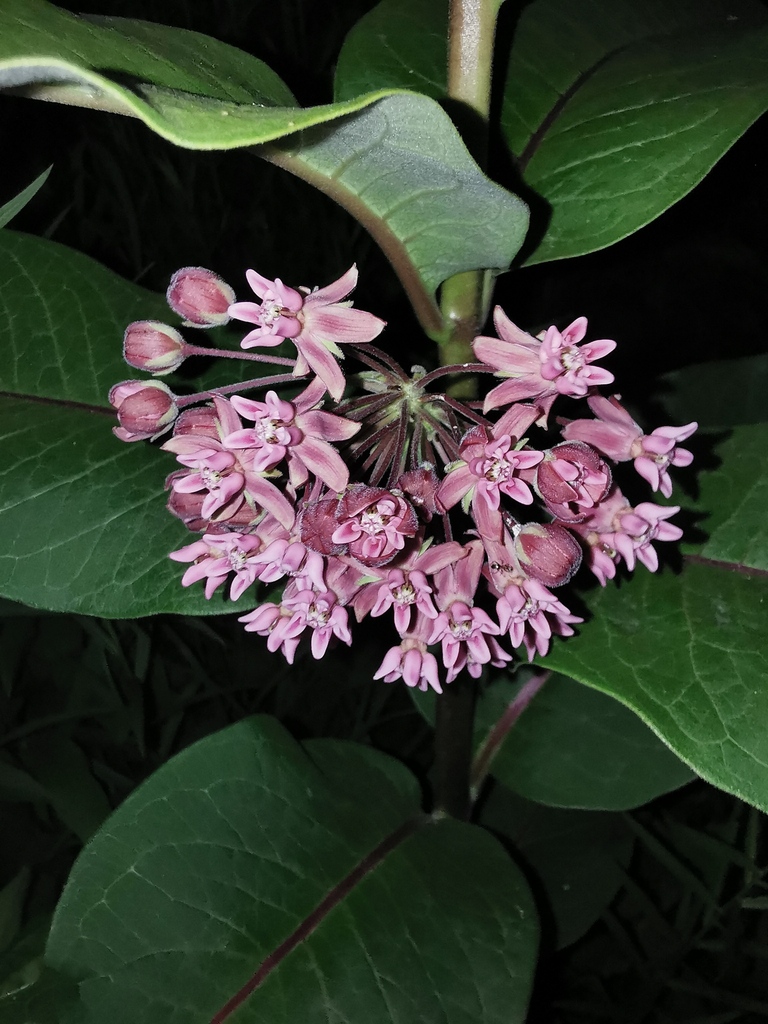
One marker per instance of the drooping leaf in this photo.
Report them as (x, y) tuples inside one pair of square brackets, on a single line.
[(394, 161), (83, 525), (248, 880), (615, 109), (17, 204), (575, 747), (576, 857), (619, 112)]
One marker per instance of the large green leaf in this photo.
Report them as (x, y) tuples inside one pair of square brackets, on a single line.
[(83, 525), (576, 859), (395, 161), (615, 109), (249, 880), (575, 747), (689, 654)]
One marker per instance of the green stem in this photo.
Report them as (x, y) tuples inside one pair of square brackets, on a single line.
[(464, 298), (464, 303)]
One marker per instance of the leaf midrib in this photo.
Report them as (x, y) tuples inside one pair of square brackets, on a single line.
[(316, 916)]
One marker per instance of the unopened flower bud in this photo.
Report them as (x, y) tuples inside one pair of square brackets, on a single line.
[(421, 487), (153, 347), (572, 479), (145, 408), (547, 552), (200, 296), (200, 420)]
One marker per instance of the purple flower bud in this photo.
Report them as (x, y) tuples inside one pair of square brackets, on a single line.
[(153, 347), (199, 420), (547, 553), (421, 487), (572, 479), (200, 296), (317, 523), (145, 408)]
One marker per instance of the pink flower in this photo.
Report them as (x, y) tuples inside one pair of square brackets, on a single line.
[(373, 524), (275, 317), (411, 662), (284, 557), (531, 616), (296, 431), (319, 612), (617, 531), (490, 466), (217, 471), (145, 409), (276, 623), (616, 435), (464, 631), (215, 556), (540, 369), (317, 322), (406, 588)]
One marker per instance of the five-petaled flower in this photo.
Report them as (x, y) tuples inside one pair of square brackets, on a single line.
[(317, 322)]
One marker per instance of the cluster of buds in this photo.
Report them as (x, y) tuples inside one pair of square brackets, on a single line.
[(404, 501)]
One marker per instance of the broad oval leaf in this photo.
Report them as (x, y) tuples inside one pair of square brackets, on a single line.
[(250, 880), (614, 112), (394, 161), (83, 524), (575, 747)]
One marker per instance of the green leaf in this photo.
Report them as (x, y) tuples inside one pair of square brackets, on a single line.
[(689, 654), (575, 747), (394, 161), (17, 204), (722, 393), (247, 881), (576, 859), (397, 44), (734, 499), (615, 109), (83, 525), (618, 110)]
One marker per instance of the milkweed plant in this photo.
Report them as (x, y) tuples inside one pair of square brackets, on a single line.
[(489, 502)]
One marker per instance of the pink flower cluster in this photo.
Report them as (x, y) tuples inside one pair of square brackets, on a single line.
[(404, 502)]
